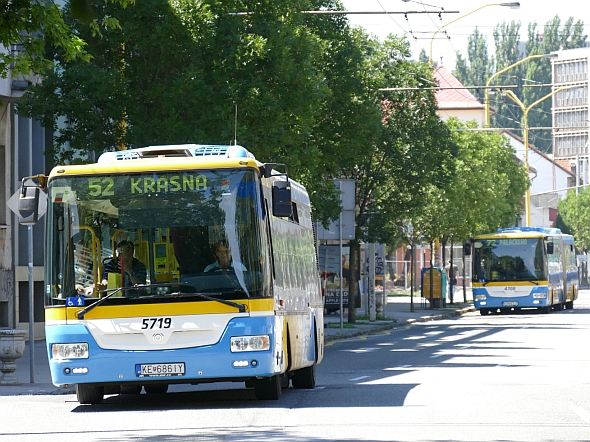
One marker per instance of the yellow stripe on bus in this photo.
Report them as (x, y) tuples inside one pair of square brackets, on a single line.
[(63, 313), (154, 164)]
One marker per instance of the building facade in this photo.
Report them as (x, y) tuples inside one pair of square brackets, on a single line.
[(22, 147), (570, 111)]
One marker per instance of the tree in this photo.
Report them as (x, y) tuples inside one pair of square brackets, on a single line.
[(535, 71), (180, 72), (477, 68), (410, 149), (31, 25), (575, 213)]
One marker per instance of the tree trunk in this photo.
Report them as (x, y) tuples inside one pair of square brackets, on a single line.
[(353, 285)]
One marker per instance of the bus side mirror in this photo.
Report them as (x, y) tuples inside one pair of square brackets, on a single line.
[(28, 205), (467, 249), (550, 248), (281, 199)]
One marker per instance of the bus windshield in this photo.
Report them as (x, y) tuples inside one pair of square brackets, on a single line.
[(188, 231), (509, 259)]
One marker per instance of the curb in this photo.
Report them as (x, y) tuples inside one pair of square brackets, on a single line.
[(395, 325)]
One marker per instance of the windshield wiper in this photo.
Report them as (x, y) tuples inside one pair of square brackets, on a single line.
[(85, 310), (241, 307)]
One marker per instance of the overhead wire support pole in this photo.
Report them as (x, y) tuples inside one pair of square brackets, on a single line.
[(500, 72), (512, 5), (442, 88), (242, 14), (525, 124)]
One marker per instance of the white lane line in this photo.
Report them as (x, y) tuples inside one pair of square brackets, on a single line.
[(359, 378), (581, 412)]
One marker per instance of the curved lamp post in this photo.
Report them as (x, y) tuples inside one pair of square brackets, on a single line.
[(512, 5), (486, 91), (525, 110)]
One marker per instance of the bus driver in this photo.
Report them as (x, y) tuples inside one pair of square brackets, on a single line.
[(135, 270)]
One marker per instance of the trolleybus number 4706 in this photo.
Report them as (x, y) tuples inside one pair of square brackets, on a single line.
[(159, 370)]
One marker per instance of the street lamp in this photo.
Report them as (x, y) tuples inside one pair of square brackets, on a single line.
[(486, 91), (525, 110), (511, 5)]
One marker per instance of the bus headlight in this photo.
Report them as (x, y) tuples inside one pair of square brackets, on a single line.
[(249, 343), (479, 297), (540, 295), (70, 351)]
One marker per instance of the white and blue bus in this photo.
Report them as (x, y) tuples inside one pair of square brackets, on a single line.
[(524, 267), (170, 316)]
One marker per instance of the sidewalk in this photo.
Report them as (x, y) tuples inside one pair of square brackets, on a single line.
[(397, 314)]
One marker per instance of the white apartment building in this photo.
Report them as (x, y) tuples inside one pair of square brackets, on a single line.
[(570, 110)]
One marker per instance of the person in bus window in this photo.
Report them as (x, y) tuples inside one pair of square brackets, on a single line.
[(224, 259), (135, 270)]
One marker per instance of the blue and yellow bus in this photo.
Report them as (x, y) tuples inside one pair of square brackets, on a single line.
[(169, 315), (524, 267)]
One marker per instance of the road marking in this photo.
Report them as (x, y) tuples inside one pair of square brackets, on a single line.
[(404, 349), (361, 350), (438, 355), (359, 378), (581, 412)]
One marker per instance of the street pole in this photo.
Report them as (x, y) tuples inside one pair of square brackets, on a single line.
[(31, 309), (525, 110), (371, 291)]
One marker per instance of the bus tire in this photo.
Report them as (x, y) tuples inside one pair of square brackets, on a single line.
[(484, 311), (546, 309), (304, 377), (88, 394), (569, 305), (268, 388), (156, 388)]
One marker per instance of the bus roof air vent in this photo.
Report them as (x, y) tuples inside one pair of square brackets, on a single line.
[(109, 157), (546, 230), (233, 151), (179, 150)]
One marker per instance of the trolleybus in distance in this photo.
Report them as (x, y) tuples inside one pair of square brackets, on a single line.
[(524, 267), (257, 320)]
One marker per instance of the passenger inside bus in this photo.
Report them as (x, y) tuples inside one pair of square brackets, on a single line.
[(224, 259), (135, 271)]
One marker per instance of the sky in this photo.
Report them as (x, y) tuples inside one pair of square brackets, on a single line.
[(420, 28)]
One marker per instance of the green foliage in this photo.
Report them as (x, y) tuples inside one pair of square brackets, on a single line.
[(411, 149), (478, 68), (485, 191), (32, 25), (575, 213), (180, 71)]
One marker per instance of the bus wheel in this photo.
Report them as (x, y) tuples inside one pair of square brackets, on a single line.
[(89, 394), (268, 388), (546, 309), (156, 388), (569, 305), (304, 377), (484, 311)]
